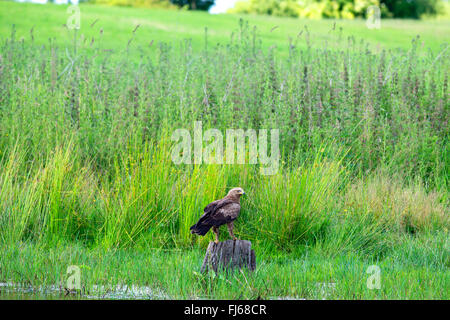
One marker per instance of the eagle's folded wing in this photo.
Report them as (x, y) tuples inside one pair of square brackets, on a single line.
[(219, 212), (228, 212), (211, 206)]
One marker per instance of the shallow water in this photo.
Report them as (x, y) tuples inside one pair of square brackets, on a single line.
[(15, 295), (11, 291)]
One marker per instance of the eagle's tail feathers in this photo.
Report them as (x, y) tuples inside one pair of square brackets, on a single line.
[(201, 229)]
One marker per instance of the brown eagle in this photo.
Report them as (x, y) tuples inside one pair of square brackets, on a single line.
[(219, 212)]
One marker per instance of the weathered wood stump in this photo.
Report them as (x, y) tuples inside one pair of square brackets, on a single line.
[(228, 255)]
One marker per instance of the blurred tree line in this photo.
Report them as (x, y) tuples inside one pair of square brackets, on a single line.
[(346, 9), (167, 4)]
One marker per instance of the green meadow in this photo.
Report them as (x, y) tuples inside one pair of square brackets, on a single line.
[(86, 149), (169, 26)]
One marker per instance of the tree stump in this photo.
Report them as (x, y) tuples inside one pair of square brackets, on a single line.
[(229, 254)]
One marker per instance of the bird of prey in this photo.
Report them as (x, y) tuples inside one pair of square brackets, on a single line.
[(219, 212)]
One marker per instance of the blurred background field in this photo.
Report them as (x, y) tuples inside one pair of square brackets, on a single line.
[(172, 26)]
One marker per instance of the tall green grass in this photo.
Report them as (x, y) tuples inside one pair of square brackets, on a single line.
[(85, 147), (389, 107), (147, 198)]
